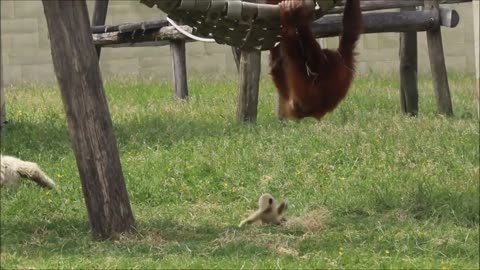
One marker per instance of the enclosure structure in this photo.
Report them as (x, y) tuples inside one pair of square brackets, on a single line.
[(78, 73), (244, 34), (76, 64), (75, 58)]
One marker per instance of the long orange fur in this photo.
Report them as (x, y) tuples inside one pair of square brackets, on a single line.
[(312, 81)]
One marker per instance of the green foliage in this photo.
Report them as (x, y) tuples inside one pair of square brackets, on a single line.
[(402, 192)]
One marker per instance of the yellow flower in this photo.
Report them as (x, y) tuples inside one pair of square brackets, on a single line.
[(387, 252)]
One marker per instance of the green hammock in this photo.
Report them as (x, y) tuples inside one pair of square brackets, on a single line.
[(244, 24)]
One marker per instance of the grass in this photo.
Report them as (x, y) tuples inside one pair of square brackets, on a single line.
[(400, 192)]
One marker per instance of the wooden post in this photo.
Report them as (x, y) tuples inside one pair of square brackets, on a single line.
[(437, 65), (236, 57), (476, 27), (99, 17), (177, 47), (408, 73), (91, 133), (3, 112), (249, 83)]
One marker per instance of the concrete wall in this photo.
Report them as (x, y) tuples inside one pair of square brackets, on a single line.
[(26, 48)]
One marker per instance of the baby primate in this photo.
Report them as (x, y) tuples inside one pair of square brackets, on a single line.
[(312, 81), (268, 211)]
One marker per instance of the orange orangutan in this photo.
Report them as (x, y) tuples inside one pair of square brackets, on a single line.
[(312, 81)]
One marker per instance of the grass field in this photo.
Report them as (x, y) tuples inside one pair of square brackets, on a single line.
[(369, 187)]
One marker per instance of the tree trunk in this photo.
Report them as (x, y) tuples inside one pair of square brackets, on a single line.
[(78, 73)]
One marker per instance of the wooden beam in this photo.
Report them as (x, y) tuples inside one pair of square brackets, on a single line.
[(408, 73), (371, 5), (77, 69), (179, 65), (328, 26), (99, 17), (160, 37), (476, 37), (437, 64), (249, 83), (388, 21)]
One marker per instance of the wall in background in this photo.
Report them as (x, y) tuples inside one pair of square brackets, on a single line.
[(26, 48)]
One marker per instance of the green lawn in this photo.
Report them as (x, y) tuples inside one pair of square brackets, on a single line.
[(389, 191)]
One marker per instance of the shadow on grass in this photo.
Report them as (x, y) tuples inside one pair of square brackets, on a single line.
[(154, 130), (155, 239)]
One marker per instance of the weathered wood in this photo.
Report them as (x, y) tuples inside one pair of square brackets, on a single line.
[(3, 111), (371, 5), (236, 52), (386, 21), (99, 17), (449, 18), (160, 37), (143, 26), (408, 73), (249, 83), (476, 28), (177, 47), (90, 126), (105, 28), (437, 64), (328, 26)]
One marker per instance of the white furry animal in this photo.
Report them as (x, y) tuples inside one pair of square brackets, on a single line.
[(268, 211), (13, 169)]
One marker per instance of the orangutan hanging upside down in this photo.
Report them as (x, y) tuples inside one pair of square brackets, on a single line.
[(312, 81)]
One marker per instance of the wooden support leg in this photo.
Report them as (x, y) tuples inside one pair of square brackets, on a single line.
[(408, 73), (236, 57), (177, 47), (3, 112), (437, 65), (476, 27), (90, 126), (99, 17), (249, 83)]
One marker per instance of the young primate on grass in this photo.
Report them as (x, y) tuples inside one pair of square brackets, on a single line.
[(14, 169), (312, 81), (268, 211)]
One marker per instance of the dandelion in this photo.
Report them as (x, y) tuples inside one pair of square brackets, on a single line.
[(60, 176), (387, 252)]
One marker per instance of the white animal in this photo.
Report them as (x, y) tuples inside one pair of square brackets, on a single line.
[(14, 169), (269, 212)]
